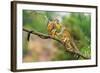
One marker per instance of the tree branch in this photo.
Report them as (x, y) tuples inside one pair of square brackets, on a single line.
[(44, 36)]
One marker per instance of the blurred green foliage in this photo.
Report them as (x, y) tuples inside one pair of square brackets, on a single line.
[(79, 25)]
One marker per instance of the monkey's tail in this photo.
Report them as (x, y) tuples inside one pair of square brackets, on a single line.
[(76, 50)]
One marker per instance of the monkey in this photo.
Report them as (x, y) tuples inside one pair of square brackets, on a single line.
[(57, 30)]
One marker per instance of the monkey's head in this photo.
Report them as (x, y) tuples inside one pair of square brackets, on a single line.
[(54, 25)]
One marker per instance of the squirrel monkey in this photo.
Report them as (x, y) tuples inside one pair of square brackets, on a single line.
[(55, 29)]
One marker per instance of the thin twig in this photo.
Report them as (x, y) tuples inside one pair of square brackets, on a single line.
[(44, 36)]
